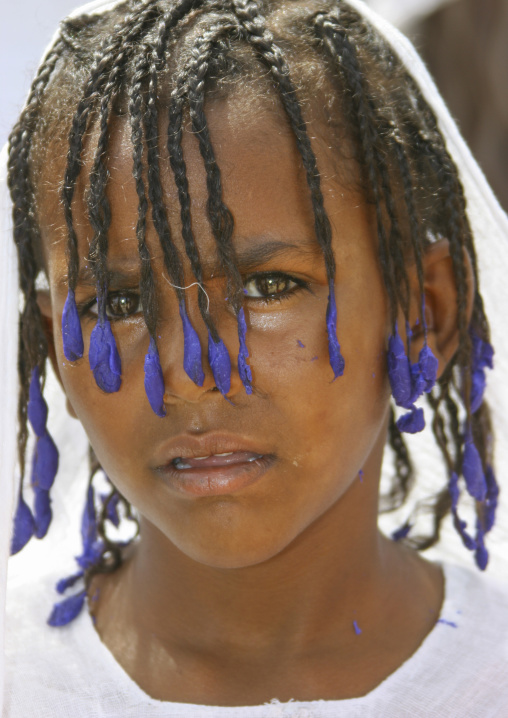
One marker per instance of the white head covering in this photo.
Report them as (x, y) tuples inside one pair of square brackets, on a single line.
[(490, 230)]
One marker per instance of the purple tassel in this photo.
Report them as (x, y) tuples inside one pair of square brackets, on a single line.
[(428, 366), (112, 509), (42, 512), (402, 533), (481, 554), (336, 359), (460, 526), (72, 336), (472, 471), (412, 422), (243, 368), (154, 380), (68, 582), (37, 408), (191, 350), (45, 463), (399, 371), (482, 358), (67, 610), (24, 526), (104, 358), (220, 364), (92, 546), (491, 500)]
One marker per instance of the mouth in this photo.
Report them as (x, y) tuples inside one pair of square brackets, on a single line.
[(198, 471)]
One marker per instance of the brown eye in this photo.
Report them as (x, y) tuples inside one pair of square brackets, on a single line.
[(266, 286), (123, 305)]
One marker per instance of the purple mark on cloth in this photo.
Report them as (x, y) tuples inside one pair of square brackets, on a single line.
[(243, 368), (220, 364), (37, 409), (336, 359), (191, 349), (357, 628), (67, 610), (104, 358), (447, 623), (154, 380), (24, 526), (72, 337)]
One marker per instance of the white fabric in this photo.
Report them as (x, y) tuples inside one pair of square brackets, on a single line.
[(490, 227), (459, 671)]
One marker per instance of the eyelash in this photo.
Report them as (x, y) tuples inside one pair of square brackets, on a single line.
[(297, 284)]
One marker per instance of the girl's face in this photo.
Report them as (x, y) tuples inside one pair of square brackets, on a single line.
[(300, 440)]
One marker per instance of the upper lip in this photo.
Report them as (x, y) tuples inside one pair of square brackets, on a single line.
[(191, 447)]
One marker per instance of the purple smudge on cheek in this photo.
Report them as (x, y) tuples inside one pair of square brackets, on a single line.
[(300, 344), (314, 358), (191, 349), (154, 380), (360, 476), (104, 358), (72, 337), (357, 628)]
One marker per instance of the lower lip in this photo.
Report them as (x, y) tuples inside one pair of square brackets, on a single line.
[(215, 480)]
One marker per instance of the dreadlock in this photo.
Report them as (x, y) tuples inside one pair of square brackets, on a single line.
[(159, 55)]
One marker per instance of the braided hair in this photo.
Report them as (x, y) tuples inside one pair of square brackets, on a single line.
[(324, 63)]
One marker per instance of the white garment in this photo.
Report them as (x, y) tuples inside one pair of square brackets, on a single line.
[(459, 671)]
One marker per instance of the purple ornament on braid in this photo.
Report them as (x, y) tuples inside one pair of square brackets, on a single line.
[(220, 364), (154, 380), (336, 359), (191, 349), (104, 358), (72, 336)]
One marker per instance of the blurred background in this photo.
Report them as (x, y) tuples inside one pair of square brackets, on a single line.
[(464, 42)]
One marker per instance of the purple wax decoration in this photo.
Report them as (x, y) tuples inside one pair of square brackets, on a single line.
[(428, 365), (67, 610), (482, 358), (399, 371), (402, 533), (42, 512), (492, 499), (154, 380), (191, 350), (481, 554), (72, 336), (243, 368), (37, 408), (104, 358), (45, 463), (336, 359), (68, 582), (460, 526), (220, 364), (472, 471), (24, 526), (92, 546), (412, 422)]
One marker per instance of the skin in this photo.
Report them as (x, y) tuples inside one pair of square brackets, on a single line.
[(236, 599)]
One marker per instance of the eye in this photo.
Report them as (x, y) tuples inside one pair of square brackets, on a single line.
[(119, 305), (270, 286)]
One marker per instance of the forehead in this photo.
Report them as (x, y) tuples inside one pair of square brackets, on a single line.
[(262, 176)]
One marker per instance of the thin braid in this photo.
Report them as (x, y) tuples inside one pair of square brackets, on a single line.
[(32, 344), (221, 219), (404, 470), (113, 54), (178, 166), (261, 39)]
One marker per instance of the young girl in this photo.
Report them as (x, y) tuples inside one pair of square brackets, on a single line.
[(244, 249)]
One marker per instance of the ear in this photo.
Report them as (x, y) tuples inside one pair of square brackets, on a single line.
[(441, 311), (46, 309)]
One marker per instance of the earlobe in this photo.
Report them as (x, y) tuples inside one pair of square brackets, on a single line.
[(441, 307), (45, 306)]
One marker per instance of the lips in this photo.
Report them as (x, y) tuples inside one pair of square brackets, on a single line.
[(212, 465)]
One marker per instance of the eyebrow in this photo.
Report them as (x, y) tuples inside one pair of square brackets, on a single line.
[(250, 254)]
